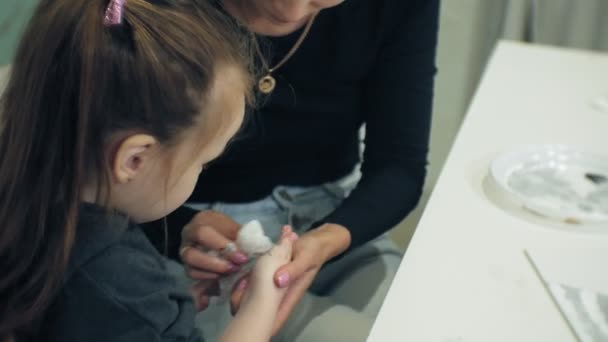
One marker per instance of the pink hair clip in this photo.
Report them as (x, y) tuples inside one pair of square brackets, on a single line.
[(113, 15)]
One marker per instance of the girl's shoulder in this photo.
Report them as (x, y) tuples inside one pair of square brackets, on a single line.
[(130, 281), (118, 282)]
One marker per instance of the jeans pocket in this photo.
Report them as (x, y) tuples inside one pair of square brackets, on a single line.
[(308, 209)]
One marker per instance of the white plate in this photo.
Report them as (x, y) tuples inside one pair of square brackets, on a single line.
[(556, 181)]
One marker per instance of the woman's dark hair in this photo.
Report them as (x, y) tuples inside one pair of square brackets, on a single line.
[(73, 83)]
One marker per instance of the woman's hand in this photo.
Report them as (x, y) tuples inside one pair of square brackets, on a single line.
[(210, 231), (201, 293), (310, 252)]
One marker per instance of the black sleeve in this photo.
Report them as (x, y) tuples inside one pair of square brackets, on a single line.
[(165, 234), (398, 106)]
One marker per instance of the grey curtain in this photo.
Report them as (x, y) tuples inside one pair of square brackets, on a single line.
[(572, 23)]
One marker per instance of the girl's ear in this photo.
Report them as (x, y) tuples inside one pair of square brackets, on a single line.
[(131, 156)]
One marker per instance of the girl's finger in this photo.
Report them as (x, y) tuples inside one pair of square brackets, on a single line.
[(285, 245), (197, 274)]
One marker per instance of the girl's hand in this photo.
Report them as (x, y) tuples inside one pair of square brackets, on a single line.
[(259, 285), (256, 317), (310, 252)]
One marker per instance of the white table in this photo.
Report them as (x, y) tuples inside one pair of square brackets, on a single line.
[(464, 277)]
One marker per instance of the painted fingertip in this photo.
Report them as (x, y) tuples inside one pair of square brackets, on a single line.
[(240, 258), (203, 303), (285, 232), (243, 284), (293, 236), (283, 279)]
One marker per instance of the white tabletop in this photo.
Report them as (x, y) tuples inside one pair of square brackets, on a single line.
[(464, 276)]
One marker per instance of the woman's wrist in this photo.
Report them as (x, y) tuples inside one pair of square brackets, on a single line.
[(333, 238)]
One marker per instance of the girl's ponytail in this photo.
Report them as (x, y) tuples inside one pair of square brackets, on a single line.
[(76, 82), (42, 144)]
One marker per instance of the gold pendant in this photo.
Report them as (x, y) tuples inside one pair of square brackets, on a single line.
[(266, 84)]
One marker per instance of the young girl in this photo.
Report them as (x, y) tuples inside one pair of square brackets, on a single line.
[(111, 112)]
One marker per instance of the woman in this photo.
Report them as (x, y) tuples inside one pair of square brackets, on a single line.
[(329, 68)]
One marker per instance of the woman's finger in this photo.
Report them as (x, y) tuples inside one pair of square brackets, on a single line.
[(285, 275), (206, 236), (199, 260), (222, 223), (292, 298), (209, 238), (197, 274), (237, 294), (200, 295)]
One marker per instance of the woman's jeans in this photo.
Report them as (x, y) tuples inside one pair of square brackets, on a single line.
[(346, 295)]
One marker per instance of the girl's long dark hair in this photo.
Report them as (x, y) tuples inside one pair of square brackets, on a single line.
[(73, 83)]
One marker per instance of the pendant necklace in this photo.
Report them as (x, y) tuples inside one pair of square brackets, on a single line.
[(267, 83)]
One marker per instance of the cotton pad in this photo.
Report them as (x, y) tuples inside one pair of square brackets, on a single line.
[(252, 241)]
